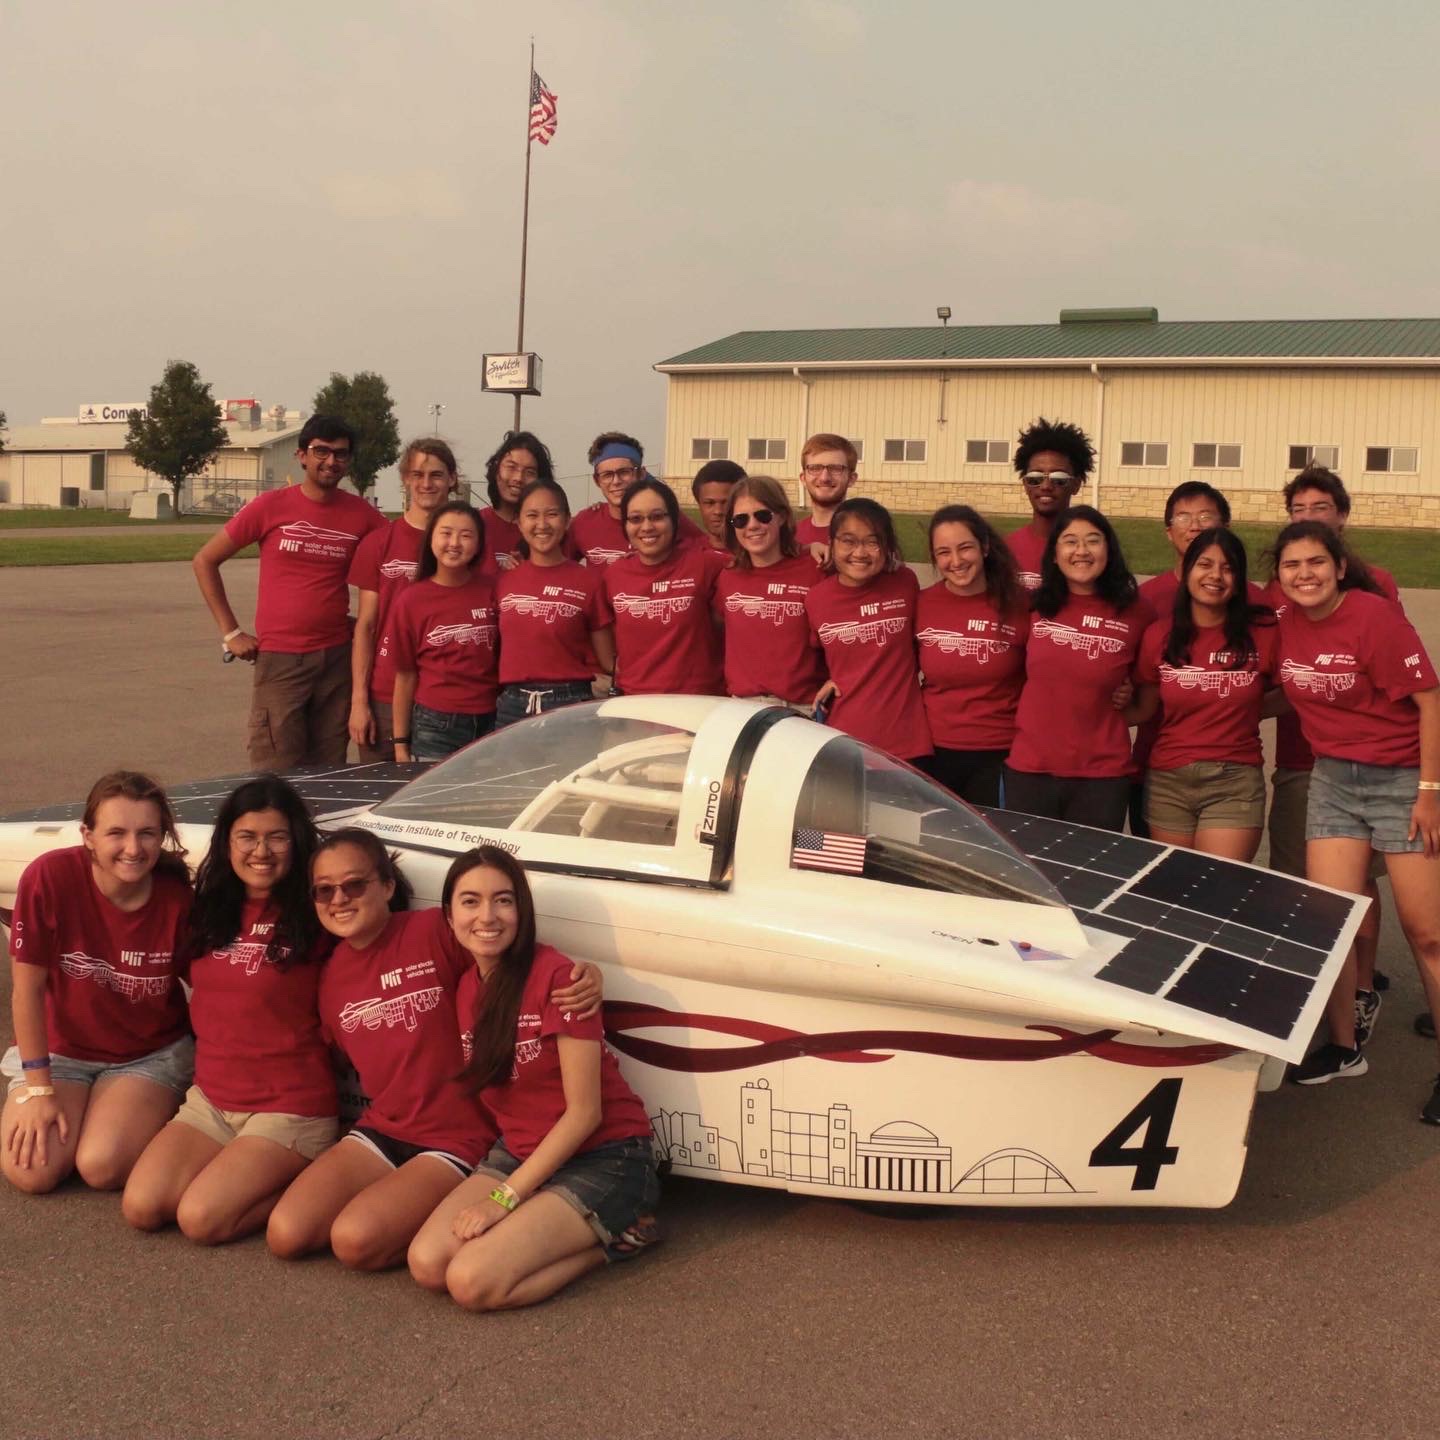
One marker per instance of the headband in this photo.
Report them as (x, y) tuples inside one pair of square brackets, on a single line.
[(616, 451)]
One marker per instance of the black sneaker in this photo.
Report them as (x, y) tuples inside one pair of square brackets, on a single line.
[(1367, 1007), (1425, 1025), (1329, 1062), (1431, 1113), (1382, 980)]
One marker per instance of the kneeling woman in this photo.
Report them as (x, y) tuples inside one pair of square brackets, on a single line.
[(263, 1102), (572, 1181)]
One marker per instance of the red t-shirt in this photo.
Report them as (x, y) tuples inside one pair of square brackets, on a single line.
[(868, 636), (391, 1009), (258, 1045), (1349, 677), (526, 1107), (305, 552), (1067, 723), (385, 562), (1027, 545), (112, 994), (1207, 710), (501, 538), (973, 659), (546, 615), (768, 646), (447, 634), (601, 538), (807, 533), (666, 641)]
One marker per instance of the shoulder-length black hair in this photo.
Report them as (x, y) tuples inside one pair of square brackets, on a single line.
[(387, 865), (538, 487), (1241, 614), (517, 440), (492, 1053), (1116, 584), (1002, 574), (428, 565), (1356, 576), (220, 893), (877, 517)]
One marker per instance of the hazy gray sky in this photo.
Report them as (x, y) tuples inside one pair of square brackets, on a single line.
[(276, 190)]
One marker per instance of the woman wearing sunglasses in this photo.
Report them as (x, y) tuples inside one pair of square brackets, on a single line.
[(387, 1000), (769, 651)]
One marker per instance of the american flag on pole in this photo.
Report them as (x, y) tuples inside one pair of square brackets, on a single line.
[(542, 110), (828, 850)]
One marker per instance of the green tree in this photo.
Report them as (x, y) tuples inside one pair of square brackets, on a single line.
[(182, 430), (363, 401), (2, 429)]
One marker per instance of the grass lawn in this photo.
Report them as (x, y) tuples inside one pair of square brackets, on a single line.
[(91, 519), (120, 549)]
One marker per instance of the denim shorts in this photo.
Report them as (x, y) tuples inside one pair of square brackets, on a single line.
[(434, 734), (615, 1188), (172, 1066), (538, 697), (1363, 802)]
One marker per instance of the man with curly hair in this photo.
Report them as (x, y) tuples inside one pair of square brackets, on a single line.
[(1052, 459)]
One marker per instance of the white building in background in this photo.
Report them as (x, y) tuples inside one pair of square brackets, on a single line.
[(80, 461)]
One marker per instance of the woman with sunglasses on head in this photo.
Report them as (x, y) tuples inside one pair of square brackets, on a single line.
[(263, 1103), (102, 1049), (1071, 756), (556, 631), (444, 640), (972, 626), (1206, 667), (571, 1182), (769, 651), (862, 616), (1369, 701), (384, 564), (667, 641), (387, 1000)]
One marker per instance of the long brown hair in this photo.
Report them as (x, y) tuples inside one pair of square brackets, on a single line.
[(132, 785), (769, 492)]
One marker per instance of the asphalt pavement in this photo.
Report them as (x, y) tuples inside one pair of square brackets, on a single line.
[(1303, 1309)]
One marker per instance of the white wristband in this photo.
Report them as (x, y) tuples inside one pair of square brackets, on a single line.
[(226, 639)]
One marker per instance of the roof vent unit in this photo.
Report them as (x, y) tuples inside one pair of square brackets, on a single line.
[(244, 414), (1113, 315), (276, 417)]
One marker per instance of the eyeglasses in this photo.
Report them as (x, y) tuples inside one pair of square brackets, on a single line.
[(245, 842), (1202, 521), (818, 472), (624, 475), (847, 543), (1052, 477), (509, 469), (328, 452), (760, 517), (323, 894)]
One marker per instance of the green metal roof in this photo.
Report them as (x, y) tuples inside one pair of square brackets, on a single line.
[(1076, 340)]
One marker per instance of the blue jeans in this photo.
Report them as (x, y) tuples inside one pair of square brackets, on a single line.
[(434, 734), (537, 697)]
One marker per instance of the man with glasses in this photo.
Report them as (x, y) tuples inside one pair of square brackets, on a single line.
[(1052, 461), (616, 462), (827, 471), (307, 534)]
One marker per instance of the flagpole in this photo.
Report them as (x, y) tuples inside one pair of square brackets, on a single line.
[(524, 227)]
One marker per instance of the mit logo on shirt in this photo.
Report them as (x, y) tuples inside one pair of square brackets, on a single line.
[(1090, 622), (389, 979)]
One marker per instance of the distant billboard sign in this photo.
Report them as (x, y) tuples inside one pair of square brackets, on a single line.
[(112, 413), (512, 374)]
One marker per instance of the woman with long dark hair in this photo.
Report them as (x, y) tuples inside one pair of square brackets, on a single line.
[(102, 1049), (1207, 666), (571, 1181), (1071, 756), (971, 627), (519, 460), (263, 1103)]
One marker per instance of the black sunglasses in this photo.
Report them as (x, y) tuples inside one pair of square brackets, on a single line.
[(762, 517)]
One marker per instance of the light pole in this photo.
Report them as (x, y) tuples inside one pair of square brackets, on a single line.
[(435, 410), (942, 314)]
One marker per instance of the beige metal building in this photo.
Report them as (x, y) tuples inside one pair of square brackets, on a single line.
[(935, 410)]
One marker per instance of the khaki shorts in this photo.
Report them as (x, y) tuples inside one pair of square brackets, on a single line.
[(306, 1135), (1208, 795)]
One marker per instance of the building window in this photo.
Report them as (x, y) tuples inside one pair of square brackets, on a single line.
[(1391, 460), (1206, 456), (1152, 453), (987, 452), (765, 450), (709, 449), (859, 450), (907, 452), (1301, 457)]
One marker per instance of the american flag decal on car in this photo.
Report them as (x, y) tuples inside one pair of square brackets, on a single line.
[(828, 850)]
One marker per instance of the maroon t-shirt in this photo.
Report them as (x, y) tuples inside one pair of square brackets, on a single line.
[(112, 993), (1350, 676), (973, 659), (258, 1045), (526, 1107), (501, 538), (547, 613), (768, 646), (868, 636), (807, 533), (1208, 711), (391, 1009), (385, 562), (666, 641), (1067, 723), (1027, 545), (447, 634), (601, 538), (305, 552)]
